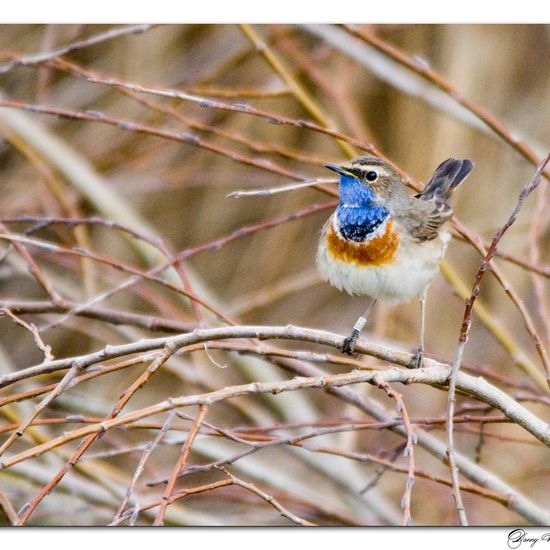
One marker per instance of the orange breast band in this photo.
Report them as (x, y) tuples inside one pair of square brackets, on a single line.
[(377, 251)]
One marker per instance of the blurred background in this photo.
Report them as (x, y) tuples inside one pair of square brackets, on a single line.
[(163, 167)]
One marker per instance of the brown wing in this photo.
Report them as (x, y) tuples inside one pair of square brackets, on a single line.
[(431, 209), (425, 217)]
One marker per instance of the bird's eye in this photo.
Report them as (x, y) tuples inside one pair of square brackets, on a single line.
[(371, 175)]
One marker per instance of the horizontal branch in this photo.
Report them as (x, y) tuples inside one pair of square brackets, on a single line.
[(435, 373), (35, 59), (115, 317)]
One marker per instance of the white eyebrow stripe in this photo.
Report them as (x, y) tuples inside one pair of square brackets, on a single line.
[(383, 172)]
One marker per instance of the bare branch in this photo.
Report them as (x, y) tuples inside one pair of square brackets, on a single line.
[(73, 46)]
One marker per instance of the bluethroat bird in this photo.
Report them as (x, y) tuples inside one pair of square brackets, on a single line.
[(383, 242)]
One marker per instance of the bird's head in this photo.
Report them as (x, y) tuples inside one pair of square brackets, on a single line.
[(365, 179)]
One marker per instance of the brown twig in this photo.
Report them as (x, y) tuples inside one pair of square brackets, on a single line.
[(538, 269), (383, 468), (47, 350), (180, 464), (203, 102), (33, 267), (508, 289), (297, 90), (188, 138), (258, 443), (361, 457), (93, 372), (409, 447), (8, 509), (229, 93), (111, 316), (255, 433), (538, 226), (69, 376), (465, 330), (38, 58), (87, 307), (435, 78), (150, 447), (148, 275), (167, 352), (59, 192), (174, 498), (268, 498)]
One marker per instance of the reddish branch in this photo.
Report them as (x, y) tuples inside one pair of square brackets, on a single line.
[(466, 326), (180, 464), (168, 351), (35, 59), (409, 447), (435, 78)]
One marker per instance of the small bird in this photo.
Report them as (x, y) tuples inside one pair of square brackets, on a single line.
[(383, 242)]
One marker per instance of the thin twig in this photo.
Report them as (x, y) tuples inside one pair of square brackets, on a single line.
[(512, 294), (46, 349), (35, 59), (297, 90), (268, 498), (8, 509), (114, 317), (536, 232), (466, 326), (149, 275), (409, 447), (33, 267), (168, 351), (174, 498), (180, 464), (436, 79), (214, 244), (386, 464), (383, 468), (264, 192), (150, 447)]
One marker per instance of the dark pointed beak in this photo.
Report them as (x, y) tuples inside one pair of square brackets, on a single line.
[(336, 168)]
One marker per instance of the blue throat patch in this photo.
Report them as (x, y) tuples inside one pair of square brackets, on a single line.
[(358, 212)]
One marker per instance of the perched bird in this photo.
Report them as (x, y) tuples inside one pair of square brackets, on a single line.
[(383, 242)]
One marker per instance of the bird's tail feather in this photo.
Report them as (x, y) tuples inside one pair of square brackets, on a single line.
[(448, 175)]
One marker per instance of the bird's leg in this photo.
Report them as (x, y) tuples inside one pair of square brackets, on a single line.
[(349, 343), (416, 361)]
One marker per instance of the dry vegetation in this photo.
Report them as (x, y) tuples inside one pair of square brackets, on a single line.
[(168, 355)]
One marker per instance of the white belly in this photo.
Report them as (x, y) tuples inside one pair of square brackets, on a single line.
[(407, 277)]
